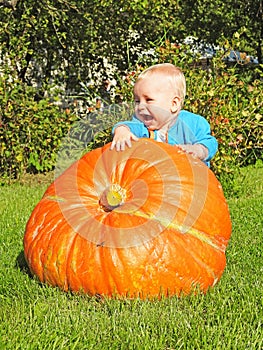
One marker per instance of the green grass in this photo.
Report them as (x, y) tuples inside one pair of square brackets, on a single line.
[(229, 316)]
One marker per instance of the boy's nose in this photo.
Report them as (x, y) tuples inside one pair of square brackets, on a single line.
[(141, 106)]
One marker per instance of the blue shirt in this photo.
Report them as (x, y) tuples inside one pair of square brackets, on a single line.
[(189, 128)]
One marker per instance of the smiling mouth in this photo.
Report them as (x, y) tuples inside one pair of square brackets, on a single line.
[(147, 118)]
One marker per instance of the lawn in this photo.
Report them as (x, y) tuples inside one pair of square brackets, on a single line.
[(229, 316)]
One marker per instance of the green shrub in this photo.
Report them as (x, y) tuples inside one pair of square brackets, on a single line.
[(30, 132), (232, 103)]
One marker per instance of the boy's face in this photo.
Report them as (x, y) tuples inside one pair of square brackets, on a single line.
[(156, 103)]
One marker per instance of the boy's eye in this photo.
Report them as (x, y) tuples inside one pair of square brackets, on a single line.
[(146, 100)]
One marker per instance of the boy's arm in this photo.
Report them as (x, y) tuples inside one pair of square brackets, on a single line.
[(209, 143), (127, 131), (204, 141), (197, 150), (202, 144)]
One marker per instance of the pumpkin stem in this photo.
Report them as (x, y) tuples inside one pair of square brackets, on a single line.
[(112, 197)]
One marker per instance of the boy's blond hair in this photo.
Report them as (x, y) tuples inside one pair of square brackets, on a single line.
[(173, 73)]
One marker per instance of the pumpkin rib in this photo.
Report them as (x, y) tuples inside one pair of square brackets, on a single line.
[(178, 282), (202, 236), (113, 276), (75, 255), (200, 275), (34, 245), (195, 255), (62, 266), (52, 274)]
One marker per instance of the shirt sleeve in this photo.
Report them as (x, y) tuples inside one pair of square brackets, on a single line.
[(203, 136), (193, 129)]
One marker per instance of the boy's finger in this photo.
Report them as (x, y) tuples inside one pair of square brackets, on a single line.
[(128, 142), (113, 143), (134, 138)]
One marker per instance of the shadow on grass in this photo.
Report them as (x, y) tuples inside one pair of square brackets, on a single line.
[(21, 264)]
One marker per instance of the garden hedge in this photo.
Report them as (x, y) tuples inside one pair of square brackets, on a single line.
[(229, 97)]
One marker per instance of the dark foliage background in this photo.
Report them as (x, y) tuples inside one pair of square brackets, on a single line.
[(59, 60)]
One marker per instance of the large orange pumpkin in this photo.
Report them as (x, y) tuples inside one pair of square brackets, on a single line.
[(147, 221)]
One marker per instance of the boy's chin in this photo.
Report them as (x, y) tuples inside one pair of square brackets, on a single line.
[(150, 128)]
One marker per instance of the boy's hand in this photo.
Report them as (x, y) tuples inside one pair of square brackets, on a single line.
[(122, 137), (197, 150)]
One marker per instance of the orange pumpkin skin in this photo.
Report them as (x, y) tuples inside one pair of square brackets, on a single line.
[(149, 221)]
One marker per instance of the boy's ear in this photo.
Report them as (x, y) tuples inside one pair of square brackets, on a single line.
[(176, 104)]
